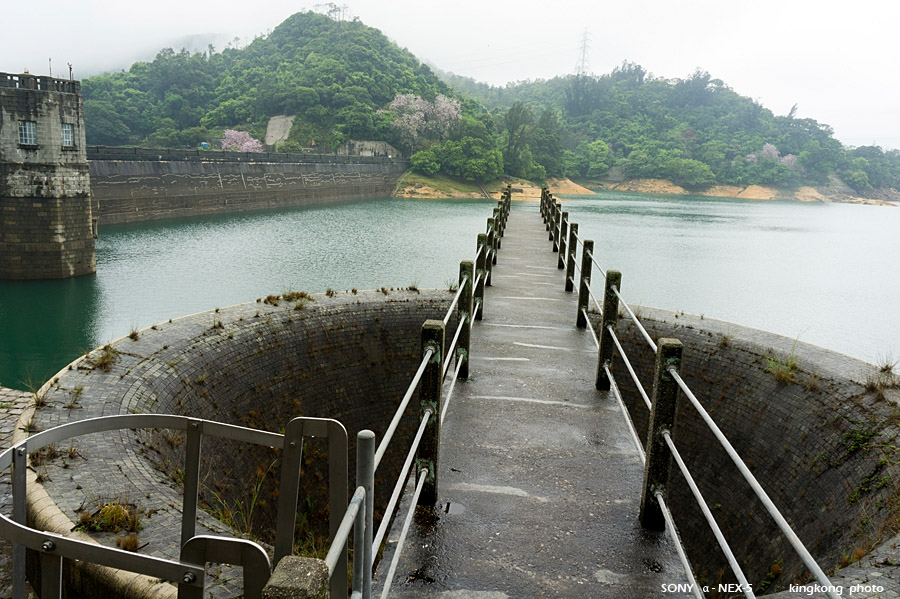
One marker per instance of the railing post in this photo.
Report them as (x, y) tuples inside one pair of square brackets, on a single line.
[(557, 223), (430, 401), (584, 290), (464, 313), (545, 199), (191, 480), (498, 225), (554, 220), (570, 260), (662, 418), (561, 259), (610, 317), (365, 477), (489, 260), (289, 491), (495, 242), (51, 573), (480, 269), (20, 459)]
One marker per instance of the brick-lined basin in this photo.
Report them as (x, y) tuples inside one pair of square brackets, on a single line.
[(823, 445), (349, 357)]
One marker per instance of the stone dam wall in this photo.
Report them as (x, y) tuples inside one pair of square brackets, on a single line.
[(350, 357), (824, 447), (138, 184)]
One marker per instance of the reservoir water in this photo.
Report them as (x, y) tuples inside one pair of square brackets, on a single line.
[(823, 273)]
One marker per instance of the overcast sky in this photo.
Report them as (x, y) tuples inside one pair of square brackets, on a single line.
[(837, 61)]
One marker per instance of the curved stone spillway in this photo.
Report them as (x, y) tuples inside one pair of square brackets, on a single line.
[(349, 356), (822, 442)]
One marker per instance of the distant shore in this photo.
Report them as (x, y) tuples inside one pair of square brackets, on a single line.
[(418, 186), (835, 193)]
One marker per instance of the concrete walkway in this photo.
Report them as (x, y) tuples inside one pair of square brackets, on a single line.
[(539, 480)]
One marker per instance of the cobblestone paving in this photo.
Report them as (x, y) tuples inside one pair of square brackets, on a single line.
[(12, 402)]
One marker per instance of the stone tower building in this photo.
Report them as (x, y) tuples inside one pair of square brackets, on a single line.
[(46, 226)]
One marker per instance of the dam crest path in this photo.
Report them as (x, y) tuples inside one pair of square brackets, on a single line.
[(540, 482)]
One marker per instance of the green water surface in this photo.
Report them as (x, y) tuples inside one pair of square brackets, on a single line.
[(823, 273)]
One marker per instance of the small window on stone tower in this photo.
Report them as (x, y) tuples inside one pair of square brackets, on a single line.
[(27, 133), (68, 135)]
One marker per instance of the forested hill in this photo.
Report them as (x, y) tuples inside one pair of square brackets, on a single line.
[(344, 80), (334, 75), (695, 131)]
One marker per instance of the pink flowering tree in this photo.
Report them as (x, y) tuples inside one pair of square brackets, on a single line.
[(419, 122), (769, 152), (240, 141)]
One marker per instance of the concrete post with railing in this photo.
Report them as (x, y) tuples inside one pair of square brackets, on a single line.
[(489, 259), (584, 289), (498, 227), (570, 259), (495, 241), (555, 215), (480, 269), (563, 232), (662, 418), (464, 313), (557, 227), (430, 400), (609, 319)]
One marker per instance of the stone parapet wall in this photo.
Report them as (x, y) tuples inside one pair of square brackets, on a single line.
[(135, 184), (822, 446)]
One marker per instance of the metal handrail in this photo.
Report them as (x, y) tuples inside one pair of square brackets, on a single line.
[(773, 511), (462, 285), (710, 519), (635, 320), (403, 534), (459, 364), (398, 415), (631, 371), (670, 521), (591, 327), (596, 303), (578, 238), (597, 264), (429, 353), (343, 533), (618, 395), (670, 525), (450, 352), (398, 487), (191, 575)]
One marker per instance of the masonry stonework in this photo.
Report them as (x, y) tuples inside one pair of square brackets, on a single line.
[(822, 444), (46, 228), (350, 357), (141, 184)]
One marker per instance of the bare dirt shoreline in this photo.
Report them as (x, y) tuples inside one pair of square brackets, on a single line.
[(525, 191)]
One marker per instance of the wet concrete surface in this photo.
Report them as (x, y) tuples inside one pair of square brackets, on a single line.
[(539, 483)]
